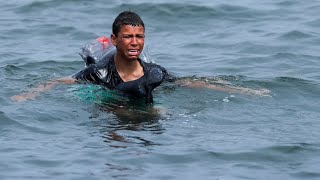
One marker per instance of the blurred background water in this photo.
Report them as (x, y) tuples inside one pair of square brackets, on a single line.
[(82, 132)]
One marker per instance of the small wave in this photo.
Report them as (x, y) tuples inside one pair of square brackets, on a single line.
[(274, 153), (293, 80), (43, 162), (256, 156), (169, 9), (54, 29), (289, 61), (287, 3), (314, 23), (284, 54), (11, 69), (291, 148), (36, 6), (307, 174), (180, 11), (6, 120), (295, 35), (42, 64), (294, 87), (37, 72)]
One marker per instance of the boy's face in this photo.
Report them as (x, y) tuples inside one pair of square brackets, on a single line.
[(129, 42)]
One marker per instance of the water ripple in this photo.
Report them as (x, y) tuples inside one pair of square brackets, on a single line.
[(36, 6), (197, 133), (295, 35), (176, 11)]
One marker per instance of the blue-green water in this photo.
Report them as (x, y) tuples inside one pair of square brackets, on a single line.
[(81, 132)]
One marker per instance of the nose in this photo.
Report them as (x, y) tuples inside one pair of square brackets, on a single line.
[(134, 41)]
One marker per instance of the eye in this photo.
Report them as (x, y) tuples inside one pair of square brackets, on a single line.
[(140, 36), (127, 36)]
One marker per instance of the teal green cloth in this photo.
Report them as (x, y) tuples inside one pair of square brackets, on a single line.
[(108, 98)]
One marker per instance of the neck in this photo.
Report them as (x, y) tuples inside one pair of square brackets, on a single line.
[(128, 69), (125, 65)]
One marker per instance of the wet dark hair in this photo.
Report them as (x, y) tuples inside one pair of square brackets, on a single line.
[(126, 18)]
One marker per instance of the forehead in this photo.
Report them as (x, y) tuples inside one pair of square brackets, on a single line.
[(130, 29)]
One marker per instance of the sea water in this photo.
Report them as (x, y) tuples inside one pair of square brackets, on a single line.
[(82, 131)]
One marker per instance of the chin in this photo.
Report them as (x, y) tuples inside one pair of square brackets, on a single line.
[(133, 58)]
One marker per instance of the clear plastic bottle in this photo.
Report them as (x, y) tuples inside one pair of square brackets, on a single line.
[(95, 51)]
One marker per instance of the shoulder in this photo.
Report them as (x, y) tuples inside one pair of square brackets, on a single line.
[(158, 72), (149, 67), (97, 70), (154, 73), (152, 68)]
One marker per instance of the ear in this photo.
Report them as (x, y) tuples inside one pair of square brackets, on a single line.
[(113, 39)]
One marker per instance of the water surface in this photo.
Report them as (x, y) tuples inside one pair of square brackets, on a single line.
[(82, 132)]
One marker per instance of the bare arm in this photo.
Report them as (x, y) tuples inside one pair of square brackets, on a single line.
[(188, 82), (42, 88)]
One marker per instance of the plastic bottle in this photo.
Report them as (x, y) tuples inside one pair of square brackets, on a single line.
[(95, 51)]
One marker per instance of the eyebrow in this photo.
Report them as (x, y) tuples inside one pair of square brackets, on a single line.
[(124, 34)]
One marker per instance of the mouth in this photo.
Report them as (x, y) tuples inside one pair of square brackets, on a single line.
[(133, 52)]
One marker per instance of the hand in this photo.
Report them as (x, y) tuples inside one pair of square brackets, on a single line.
[(22, 97), (41, 88)]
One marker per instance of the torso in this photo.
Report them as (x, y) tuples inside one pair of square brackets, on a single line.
[(130, 84), (105, 73)]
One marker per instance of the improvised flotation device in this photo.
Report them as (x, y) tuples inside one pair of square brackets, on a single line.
[(99, 48)]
